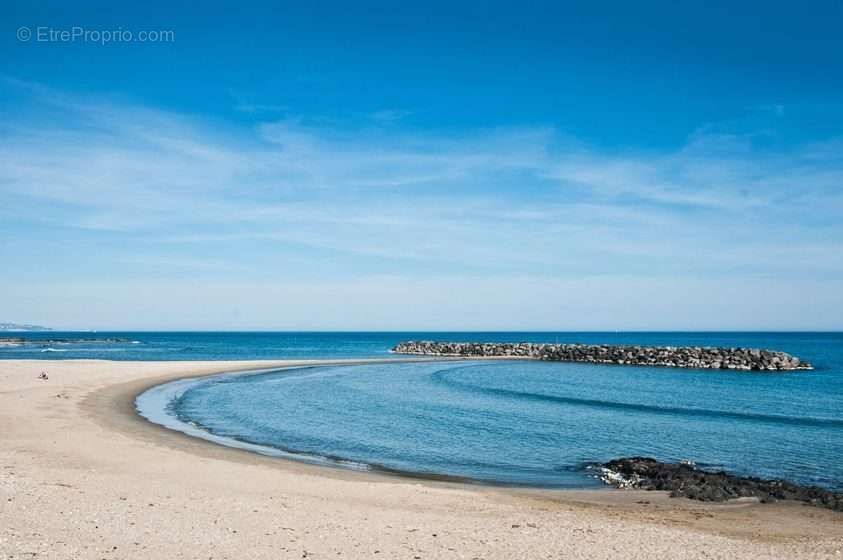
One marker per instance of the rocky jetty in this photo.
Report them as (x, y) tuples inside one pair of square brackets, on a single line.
[(668, 356), (43, 342), (687, 481)]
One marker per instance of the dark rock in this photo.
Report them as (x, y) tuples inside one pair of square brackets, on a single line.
[(668, 356), (685, 480)]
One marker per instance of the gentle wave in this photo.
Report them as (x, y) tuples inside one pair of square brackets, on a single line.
[(159, 405), (442, 377), (76, 350)]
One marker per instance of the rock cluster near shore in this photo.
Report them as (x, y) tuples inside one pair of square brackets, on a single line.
[(20, 341), (685, 480), (668, 356)]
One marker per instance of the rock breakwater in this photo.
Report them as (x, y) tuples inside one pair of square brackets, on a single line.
[(685, 480), (667, 356), (44, 342)]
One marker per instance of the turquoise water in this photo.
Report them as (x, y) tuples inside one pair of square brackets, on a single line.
[(133, 345), (525, 423)]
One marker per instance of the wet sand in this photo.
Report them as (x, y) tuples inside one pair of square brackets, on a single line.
[(83, 476)]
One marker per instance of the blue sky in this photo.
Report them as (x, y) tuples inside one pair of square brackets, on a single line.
[(385, 166)]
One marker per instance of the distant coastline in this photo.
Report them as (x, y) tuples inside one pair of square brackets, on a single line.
[(17, 327)]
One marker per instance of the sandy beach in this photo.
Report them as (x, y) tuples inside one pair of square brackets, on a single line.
[(83, 476)]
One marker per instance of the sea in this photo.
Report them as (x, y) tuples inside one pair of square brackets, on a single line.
[(520, 423)]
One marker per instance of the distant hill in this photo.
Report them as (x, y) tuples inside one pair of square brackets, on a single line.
[(18, 327)]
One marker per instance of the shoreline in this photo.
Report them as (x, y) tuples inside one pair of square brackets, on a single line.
[(83, 476), (131, 415), (127, 399), (155, 412)]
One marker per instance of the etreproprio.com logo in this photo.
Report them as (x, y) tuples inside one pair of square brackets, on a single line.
[(78, 34)]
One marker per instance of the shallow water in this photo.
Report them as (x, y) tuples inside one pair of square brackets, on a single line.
[(532, 423)]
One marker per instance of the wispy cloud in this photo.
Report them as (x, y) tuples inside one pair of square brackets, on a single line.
[(774, 108), (390, 115), (244, 105), (497, 202)]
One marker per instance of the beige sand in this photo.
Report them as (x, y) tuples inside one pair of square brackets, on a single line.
[(81, 476)]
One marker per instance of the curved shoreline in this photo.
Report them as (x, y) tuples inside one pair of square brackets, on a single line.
[(153, 404), (330, 466), (82, 475), (153, 408), (130, 421)]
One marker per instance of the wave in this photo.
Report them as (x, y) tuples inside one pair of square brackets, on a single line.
[(159, 405), (98, 350), (441, 376)]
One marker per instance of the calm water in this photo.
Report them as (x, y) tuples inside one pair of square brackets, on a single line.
[(824, 348), (511, 422)]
